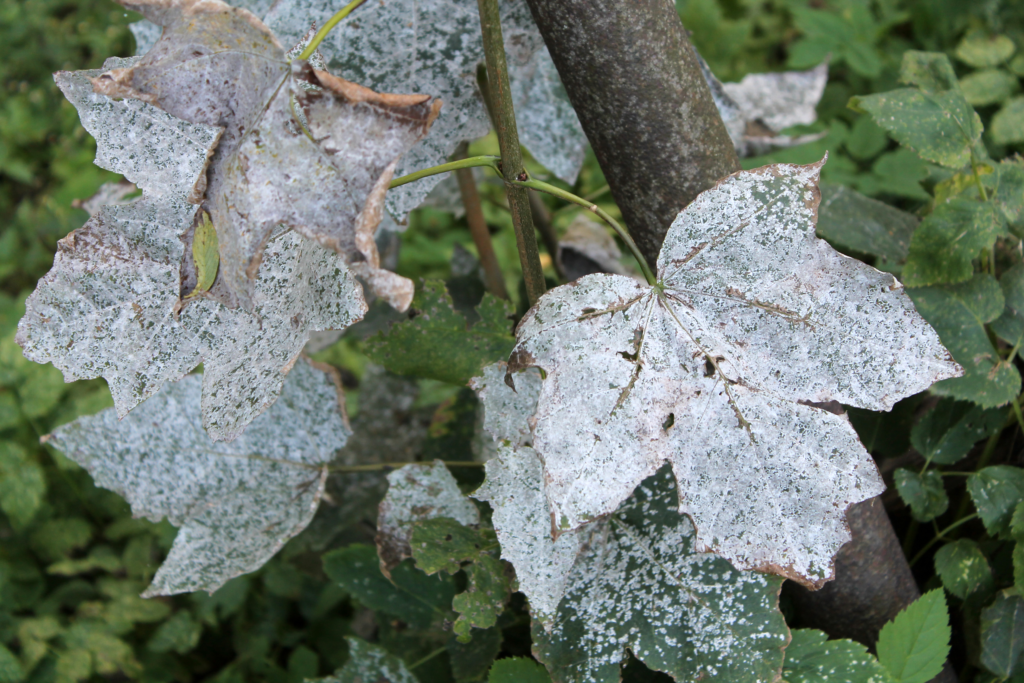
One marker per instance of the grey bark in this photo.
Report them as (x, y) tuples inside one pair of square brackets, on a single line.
[(635, 83), (634, 80)]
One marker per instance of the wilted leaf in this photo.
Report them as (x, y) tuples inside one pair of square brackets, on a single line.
[(447, 347), (949, 239), (959, 313), (812, 658), (948, 431), (368, 663), (236, 503), (1002, 634), (962, 568), (924, 493), (996, 492), (417, 492), (716, 370), (323, 174), (640, 584), (444, 36), (914, 645), (851, 220)]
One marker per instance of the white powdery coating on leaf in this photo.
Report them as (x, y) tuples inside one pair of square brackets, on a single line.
[(236, 503), (780, 100), (639, 584), (368, 662), (416, 493), (522, 520), (439, 48), (301, 288), (756, 316), (507, 412)]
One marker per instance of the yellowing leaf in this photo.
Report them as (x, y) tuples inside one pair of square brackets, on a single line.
[(716, 370), (205, 254)]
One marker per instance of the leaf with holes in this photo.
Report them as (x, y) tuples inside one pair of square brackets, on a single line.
[(236, 504), (717, 370)]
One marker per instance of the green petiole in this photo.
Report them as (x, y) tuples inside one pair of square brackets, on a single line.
[(331, 23), (469, 162)]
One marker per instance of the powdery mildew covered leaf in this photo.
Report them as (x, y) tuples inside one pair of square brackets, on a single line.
[(417, 492), (640, 583), (716, 370), (236, 504), (507, 412), (434, 46), (323, 174), (368, 662)]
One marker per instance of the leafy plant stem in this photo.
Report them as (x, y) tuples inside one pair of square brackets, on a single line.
[(940, 536), (382, 466), (468, 162), (508, 140), (493, 277), (331, 23), (427, 658), (541, 186)]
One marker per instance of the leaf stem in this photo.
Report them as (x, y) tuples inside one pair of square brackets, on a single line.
[(493, 277), (468, 162), (511, 156), (939, 535), (541, 186), (381, 466), (427, 658), (331, 23)]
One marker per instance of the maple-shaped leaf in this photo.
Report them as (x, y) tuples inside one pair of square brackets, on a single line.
[(316, 159), (716, 370), (435, 46), (238, 503)]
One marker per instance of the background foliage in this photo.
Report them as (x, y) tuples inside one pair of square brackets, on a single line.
[(72, 561)]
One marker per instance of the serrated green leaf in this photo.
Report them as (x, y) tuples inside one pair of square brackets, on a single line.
[(948, 431), (913, 646), (410, 595), (178, 634), (980, 49), (1002, 634), (518, 670), (447, 347), (948, 239), (639, 584), (812, 658), (471, 661), (366, 663), (11, 670), (865, 141), (924, 493), (1007, 125), (109, 653), (484, 600), (1010, 325), (22, 484), (55, 538), (990, 86), (996, 491), (849, 219), (963, 568), (959, 313), (929, 71)]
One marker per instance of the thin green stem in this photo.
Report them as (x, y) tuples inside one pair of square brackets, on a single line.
[(541, 186), (383, 466), (940, 536), (427, 658), (331, 23), (468, 162)]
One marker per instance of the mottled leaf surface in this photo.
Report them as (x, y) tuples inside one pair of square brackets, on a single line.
[(236, 504), (1002, 635), (369, 663), (812, 658), (948, 431), (640, 583), (417, 492), (962, 567), (507, 411), (949, 239), (1010, 325), (996, 491), (924, 493), (712, 370), (439, 50)]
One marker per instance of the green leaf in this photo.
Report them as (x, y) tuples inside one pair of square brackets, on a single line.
[(56, 538), (996, 491), (410, 595), (368, 663), (518, 670), (22, 484), (205, 253), (447, 347), (1007, 125), (812, 658), (1018, 565), (178, 634), (898, 173), (980, 50), (480, 605), (442, 544), (11, 670), (959, 313), (1002, 634), (947, 240), (470, 661), (948, 431), (913, 646), (929, 71), (865, 141), (963, 568), (849, 219), (924, 493), (935, 121), (990, 86), (1010, 325)]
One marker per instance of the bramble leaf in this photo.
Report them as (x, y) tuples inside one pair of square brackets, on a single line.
[(717, 369), (812, 658), (963, 568), (367, 662), (949, 239), (996, 491), (947, 432), (914, 645), (236, 503), (924, 493), (1002, 635), (851, 220)]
